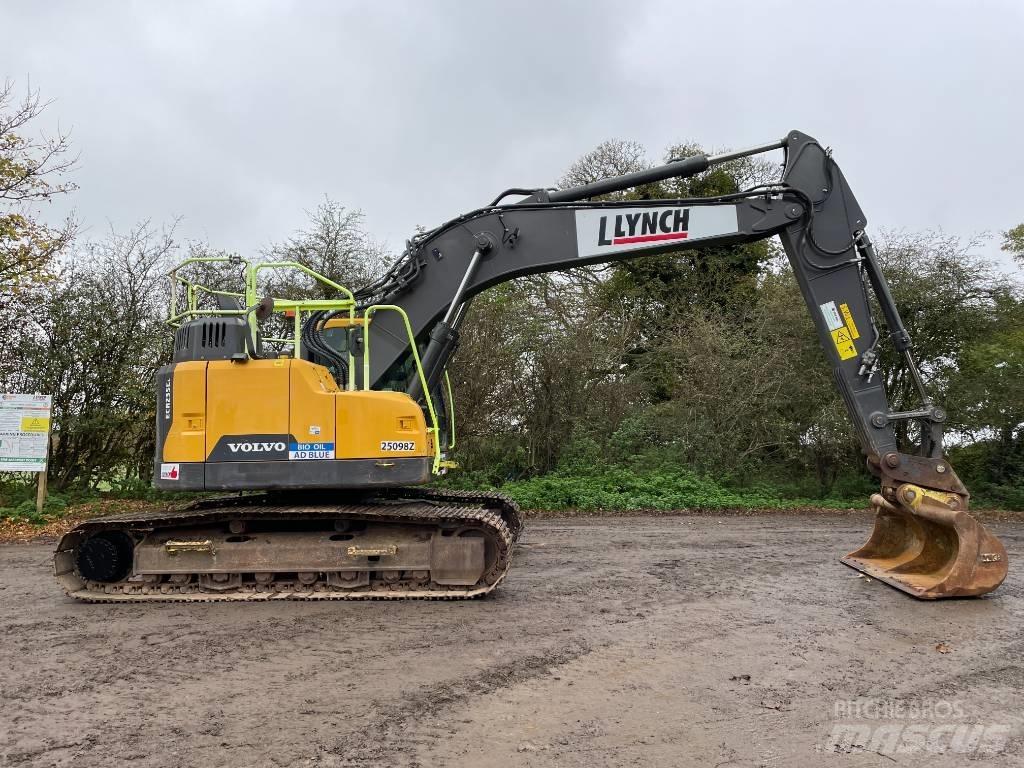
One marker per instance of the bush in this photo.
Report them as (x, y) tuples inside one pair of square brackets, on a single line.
[(997, 496), (25, 510), (625, 488), (18, 499)]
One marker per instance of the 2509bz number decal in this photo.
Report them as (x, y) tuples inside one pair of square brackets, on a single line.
[(395, 446)]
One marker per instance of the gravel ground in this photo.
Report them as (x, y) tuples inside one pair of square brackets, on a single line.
[(717, 641)]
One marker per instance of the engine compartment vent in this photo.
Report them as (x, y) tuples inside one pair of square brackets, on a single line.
[(211, 338)]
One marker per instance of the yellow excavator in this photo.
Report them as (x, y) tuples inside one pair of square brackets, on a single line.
[(331, 429)]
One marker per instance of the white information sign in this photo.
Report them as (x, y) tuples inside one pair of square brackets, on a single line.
[(24, 432)]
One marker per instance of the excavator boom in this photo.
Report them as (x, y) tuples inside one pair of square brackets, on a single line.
[(924, 543)]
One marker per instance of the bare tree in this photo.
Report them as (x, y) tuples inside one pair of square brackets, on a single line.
[(333, 244), (614, 157)]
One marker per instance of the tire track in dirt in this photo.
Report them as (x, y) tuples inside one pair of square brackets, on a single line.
[(614, 641)]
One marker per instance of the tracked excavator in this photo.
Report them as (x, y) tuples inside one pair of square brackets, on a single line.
[(329, 431)]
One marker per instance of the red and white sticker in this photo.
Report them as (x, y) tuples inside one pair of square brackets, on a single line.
[(169, 472), (613, 230)]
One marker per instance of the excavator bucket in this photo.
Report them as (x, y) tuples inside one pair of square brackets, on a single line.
[(927, 547)]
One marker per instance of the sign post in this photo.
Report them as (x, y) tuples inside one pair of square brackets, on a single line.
[(25, 438), (40, 492)]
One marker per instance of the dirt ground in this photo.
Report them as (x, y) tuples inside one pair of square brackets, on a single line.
[(712, 641)]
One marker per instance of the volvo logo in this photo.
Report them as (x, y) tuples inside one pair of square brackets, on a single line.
[(256, 447)]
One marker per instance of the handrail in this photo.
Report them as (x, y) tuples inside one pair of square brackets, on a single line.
[(419, 371), (254, 270), (190, 287), (250, 298)]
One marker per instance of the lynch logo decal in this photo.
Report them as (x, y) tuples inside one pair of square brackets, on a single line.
[(647, 227), (255, 447), (604, 231)]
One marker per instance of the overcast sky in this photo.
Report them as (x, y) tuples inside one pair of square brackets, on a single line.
[(239, 116)]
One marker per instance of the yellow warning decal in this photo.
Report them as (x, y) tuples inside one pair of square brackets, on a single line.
[(35, 424), (848, 317), (844, 344)]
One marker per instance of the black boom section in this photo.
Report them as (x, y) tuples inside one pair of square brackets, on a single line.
[(812, 209), (546, 242)]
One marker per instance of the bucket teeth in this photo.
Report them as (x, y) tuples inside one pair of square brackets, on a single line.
[(926, 545)]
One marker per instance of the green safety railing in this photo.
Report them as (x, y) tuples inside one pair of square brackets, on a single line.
[(250, 297), (370, 311)]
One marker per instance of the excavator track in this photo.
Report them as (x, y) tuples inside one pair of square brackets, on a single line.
[(396, 543)]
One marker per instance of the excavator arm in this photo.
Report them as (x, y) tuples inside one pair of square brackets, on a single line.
[(924, 542)]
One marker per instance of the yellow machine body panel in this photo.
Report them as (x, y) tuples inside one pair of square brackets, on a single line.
[(250, 398), (186, 410), (283, 423), (382, 425), (311, 403)]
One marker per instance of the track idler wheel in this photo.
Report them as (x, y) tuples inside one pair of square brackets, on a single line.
[(105, 557), (926, 545)]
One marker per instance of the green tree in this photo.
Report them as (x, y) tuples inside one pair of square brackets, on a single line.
[(31, 173), (662, 293), (708, 359), (573, 353), (988, 398), (94, 342), (1013, 242), (947, 297)]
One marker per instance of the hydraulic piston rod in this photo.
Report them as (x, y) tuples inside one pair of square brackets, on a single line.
[(689, 166)]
